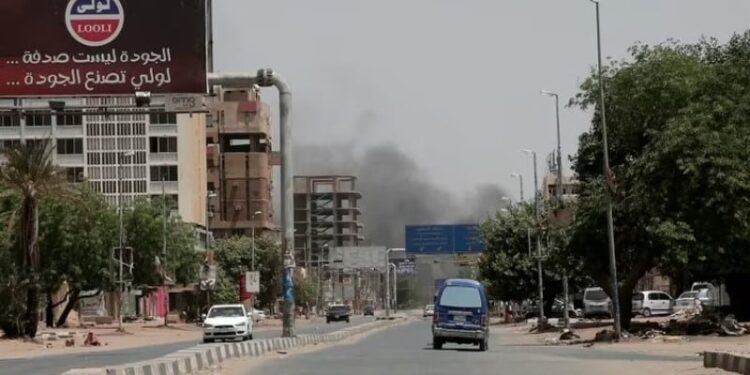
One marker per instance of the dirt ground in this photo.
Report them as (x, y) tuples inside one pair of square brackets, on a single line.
[(678, 346), (136, 334)]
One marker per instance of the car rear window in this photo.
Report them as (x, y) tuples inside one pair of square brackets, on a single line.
[(637, 296), (595, 295), (338, 308), (461, 296)]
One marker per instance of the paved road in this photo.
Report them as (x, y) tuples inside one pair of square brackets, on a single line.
[(407, 350), (56, 364)]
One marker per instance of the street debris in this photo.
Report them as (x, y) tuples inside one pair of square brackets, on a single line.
[(70, 342), (567, 334), (91, 340), (651, 333)]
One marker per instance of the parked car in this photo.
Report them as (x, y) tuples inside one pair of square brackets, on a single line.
[(227, 322), (596, 303), (368, 310), (688, 300), (337, 313), (461, 314), (429, 310), (652, 302)]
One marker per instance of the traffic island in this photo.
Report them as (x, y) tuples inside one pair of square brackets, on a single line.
[(734, 362), (206, 356)]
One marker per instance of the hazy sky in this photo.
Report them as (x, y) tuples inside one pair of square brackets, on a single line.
[(453, 84)]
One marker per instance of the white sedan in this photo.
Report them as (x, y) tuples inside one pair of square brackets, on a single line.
[(227, 322), (688, 301)]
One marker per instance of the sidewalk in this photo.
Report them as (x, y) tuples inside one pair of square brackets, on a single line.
[(136, 335), (668, 346)]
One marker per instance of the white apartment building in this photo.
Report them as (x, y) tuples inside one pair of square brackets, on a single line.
[(146, 152)]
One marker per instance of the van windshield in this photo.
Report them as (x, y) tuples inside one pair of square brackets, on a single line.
[(461, 296), (595, 295)]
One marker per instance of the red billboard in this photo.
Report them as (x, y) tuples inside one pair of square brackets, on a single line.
[(102, 47)]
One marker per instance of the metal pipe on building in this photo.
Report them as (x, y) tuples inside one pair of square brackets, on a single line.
[(267, 78)]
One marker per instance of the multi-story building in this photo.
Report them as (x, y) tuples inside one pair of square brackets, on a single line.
[(240, 161), (326, 214), (123, 156)]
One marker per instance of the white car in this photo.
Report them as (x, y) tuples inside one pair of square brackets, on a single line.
[(652, 302), (225, 322), (596, 303)]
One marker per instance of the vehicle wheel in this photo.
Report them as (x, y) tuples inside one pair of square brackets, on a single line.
[(208, 341), (646, 312), (483, 346), (437, 343), (250, 336), (347, 320), (328, 321)]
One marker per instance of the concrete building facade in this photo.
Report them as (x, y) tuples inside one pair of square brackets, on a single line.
[(326, 214), (122, 156), (239, 159)]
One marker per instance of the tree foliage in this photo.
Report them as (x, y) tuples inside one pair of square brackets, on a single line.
[(678, 139), (145, 234), (234, 256)]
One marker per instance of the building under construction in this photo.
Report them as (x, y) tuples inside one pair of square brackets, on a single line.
[(240, 162), (326, 214)]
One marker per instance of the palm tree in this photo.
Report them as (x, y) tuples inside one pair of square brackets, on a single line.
[(29, 172)]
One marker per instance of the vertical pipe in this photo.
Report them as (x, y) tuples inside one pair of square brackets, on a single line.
[(287, 199), (387, 285), (540, 271), (210, 36), (608, 196), (559, 190)]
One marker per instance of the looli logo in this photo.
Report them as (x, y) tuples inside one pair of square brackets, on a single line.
[(94, 23)]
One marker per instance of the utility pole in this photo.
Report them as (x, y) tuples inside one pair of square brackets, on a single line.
[(520, 182), (121, 155), (164, 250), (608, 189), (540, 271)]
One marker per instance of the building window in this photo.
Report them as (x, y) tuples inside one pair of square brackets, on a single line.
[(166, 172), (74, 174), (9, 143), (38, 119), (163, 118), (211, 187), (70, 146), (163, 144), (70, 119), (10, 120)]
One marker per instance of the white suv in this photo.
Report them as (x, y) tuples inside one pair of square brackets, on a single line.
[(227, 322)]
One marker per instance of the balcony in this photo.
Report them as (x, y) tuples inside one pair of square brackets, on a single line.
[(67, 131), (162, 157), (170, 187)]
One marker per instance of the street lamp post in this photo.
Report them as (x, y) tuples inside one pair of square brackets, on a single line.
[(559, 192), (121, 235), (209, 195), (253, 237), (608, 192), (387, 281), (540, 271), (520, 182)]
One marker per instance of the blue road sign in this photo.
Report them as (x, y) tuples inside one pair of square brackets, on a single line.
[(436, 239)]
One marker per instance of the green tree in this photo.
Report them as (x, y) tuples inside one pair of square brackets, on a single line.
[(509, 267), (305, 291), (145, 234), (30, 173), (76, 237), (678, 139), (234, 256)]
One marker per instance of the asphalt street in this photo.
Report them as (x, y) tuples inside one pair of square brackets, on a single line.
[(57, 364), (407, 350)]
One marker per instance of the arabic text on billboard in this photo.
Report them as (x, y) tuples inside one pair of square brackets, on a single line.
[(102, 47), (432, 239)]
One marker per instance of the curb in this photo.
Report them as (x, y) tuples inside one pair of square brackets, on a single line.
[(734, 362), (191, 360)]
